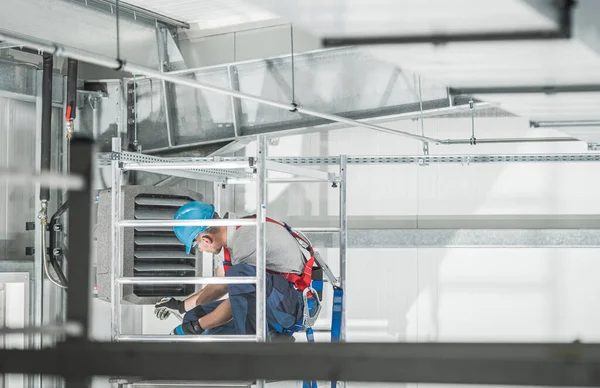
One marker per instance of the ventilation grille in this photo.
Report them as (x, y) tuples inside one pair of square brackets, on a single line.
[(157, 252)]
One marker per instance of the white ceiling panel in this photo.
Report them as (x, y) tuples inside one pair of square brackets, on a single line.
[(207, 14)]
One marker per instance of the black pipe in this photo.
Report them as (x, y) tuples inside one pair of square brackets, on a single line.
[(46, 119), (54, 239), (72, 87)]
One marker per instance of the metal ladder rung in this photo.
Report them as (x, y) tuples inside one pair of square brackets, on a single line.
[(183, 338), (187, 280)]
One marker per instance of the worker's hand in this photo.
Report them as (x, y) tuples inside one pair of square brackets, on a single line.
[(163, 308), (188, 328)]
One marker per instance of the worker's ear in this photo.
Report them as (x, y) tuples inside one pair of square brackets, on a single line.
[(208, 239)]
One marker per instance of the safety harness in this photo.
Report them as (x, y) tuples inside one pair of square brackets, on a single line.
[(309, 288), (303, 283)]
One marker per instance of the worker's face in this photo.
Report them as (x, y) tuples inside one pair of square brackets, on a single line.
[(207, 243)]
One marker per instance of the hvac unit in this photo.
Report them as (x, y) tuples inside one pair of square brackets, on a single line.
[(148, 251)]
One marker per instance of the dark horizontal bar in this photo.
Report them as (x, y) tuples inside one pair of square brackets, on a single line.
[(538, 364), (439, 39), (546, 89)]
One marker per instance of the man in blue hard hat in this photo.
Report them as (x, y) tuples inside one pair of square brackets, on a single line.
[(205, 312)]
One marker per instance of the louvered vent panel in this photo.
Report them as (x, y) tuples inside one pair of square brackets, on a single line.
[(159, 252), (147, 252)]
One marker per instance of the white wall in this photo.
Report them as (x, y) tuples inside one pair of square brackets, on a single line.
[(454, 294), (466, 294)]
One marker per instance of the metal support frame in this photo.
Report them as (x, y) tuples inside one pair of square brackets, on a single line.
[(564, 31), (236, 104), (167, 88), (343, 236), (535, 364), (116, 232), (261, 164)]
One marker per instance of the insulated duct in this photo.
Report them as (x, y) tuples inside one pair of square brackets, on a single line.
[(48, 65)]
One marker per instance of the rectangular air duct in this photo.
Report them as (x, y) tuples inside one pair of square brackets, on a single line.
[(147, 252)]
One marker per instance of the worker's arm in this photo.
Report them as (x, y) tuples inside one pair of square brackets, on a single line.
[(219, 316), (208, 294)]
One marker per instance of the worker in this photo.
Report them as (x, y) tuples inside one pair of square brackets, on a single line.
[(288, 272)]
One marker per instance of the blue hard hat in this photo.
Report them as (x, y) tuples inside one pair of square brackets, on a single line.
[(192, 211)]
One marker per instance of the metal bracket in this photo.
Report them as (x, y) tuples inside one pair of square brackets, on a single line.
[(593, 147)]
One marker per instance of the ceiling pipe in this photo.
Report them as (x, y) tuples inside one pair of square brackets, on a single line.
[(566, 123), (508, 140), (119, 64)]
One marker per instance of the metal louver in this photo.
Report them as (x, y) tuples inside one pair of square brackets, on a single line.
[(147, 252), (158, 252)]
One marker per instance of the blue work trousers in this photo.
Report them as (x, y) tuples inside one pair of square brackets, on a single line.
[(284, 304)]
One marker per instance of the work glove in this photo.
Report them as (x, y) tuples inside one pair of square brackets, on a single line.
[(164, 307), (188, 328)]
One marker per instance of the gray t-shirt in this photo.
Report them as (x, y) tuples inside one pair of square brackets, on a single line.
[(283, 253)]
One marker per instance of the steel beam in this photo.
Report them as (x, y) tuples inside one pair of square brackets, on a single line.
[(461, 238), (453, 159), (403, 159), (80, 215), (536, 364)]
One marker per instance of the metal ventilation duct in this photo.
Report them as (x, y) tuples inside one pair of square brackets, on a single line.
[(344, 82)]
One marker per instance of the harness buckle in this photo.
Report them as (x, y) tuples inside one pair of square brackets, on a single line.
[(309, 320)]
